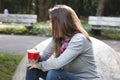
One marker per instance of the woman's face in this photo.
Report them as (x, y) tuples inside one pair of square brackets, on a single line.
[(50, 25)]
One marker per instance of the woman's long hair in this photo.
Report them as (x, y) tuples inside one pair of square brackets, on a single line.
[(65, 24)]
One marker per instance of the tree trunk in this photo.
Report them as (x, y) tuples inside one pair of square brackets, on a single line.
[(1, 6), (43, 10), (80, 8), (30, 6), (100, 8), (99, 12)]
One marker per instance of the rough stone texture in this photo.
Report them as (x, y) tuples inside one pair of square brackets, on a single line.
[(106, 58)]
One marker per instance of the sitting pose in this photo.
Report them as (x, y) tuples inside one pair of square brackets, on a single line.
[(71, 47)]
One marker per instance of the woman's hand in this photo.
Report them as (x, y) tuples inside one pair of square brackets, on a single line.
[(31, 66)]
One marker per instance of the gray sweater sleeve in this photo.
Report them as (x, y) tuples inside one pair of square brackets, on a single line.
[(47, 52), (75, 47)]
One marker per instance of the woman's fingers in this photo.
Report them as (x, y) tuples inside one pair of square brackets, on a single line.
[(31, 66)]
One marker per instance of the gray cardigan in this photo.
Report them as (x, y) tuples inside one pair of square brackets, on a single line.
[(77, 59)]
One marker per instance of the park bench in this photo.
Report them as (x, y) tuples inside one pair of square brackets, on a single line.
[(104, 23), (26, 20)]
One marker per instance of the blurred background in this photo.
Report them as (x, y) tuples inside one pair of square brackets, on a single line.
[(83, 8)]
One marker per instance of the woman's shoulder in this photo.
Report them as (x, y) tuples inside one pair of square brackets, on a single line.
[(78, 36)]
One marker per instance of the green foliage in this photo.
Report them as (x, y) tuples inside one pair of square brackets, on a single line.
[(20, 30), (111, 34), (112, 8), (86, 26), (9, 30), (82, 7), (90, 7), (8, 65), (20, 6), (41, 28), (6, 30)]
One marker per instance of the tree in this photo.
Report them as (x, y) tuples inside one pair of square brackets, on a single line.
[(100, 8), (1, 5), (42, 7), (99, 12), (80, 8), (112, 8)]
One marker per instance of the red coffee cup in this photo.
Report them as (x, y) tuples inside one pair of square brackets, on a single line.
[(33, 55)]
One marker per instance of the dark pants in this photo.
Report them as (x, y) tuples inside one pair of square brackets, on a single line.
[(35, 74)]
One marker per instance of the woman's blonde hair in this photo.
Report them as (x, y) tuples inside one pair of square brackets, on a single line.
[(65, 23)]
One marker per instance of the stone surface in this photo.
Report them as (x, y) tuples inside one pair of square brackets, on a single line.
[(107, 61)]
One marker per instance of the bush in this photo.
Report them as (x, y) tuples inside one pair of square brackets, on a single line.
[(41, 29), (9, 30)]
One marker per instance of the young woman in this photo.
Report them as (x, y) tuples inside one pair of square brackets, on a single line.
[(71, 47)]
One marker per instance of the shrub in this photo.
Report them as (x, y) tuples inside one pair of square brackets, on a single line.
[(20, 30), (41, 29), (9, 30)]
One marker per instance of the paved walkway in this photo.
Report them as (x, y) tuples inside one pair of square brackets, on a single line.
[(17, 44)]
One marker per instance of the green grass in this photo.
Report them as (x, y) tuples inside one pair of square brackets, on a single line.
[(8, 65), (111, 34)]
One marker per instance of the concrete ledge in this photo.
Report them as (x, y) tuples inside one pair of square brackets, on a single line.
[(20, 72), (106, 58)]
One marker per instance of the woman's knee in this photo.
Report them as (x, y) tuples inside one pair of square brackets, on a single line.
[(52, 75), (60, 75), (34, 74), (52, 72)]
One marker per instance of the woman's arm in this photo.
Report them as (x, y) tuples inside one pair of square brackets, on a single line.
[(47, 52), (75, 47)]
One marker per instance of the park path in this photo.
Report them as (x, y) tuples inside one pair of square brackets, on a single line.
[(18, 44)]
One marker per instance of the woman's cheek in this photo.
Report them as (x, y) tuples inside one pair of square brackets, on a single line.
[(50, 26)]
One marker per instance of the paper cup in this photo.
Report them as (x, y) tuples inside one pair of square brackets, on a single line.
[(33, 56)]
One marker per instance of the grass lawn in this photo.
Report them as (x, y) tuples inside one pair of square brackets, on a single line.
[(8, 65)]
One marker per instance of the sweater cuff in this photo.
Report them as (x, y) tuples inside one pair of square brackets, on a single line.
[(40, 66)]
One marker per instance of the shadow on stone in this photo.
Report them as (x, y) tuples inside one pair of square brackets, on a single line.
[(106, 58)]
